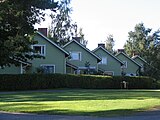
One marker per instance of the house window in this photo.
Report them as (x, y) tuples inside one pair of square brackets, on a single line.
[(76, 56), (103, 61), (39, 49), (48, 68), (125, 64)]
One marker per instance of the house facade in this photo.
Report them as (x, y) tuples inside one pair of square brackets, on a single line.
[(85, 60), (54, 60), (55, 56), (140, 61), (75, 58), (110, 65), (130, 67), (12, 69)]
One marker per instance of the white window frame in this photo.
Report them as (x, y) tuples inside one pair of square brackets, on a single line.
[(37, 45), (49, 65), (125, 64), (79, 54), (102, 62)]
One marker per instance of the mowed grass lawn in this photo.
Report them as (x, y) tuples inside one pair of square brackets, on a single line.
[(80, 102)]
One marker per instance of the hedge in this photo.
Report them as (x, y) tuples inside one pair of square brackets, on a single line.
[(51, 81), (158, 84)]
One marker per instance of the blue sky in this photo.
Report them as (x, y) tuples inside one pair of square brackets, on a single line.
[(98, 18)]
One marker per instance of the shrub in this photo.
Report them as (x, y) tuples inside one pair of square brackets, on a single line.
[(158, 84), (51, 81)]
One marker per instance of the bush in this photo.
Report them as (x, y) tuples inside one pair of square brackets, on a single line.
[(51, 81), (158, 84)]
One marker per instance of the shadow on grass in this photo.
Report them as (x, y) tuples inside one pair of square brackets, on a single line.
[(73, 95), (107, 113), (23, 108), (22, 102)]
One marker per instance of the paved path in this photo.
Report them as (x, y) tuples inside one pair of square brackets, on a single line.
[(152, 115)]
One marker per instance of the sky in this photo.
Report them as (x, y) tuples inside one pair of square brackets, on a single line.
[(99, 18)]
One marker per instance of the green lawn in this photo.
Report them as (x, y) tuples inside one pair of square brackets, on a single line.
[(81, 102)]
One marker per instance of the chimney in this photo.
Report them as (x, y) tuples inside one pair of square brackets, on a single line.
[(78, 39), (101, 44), (121, 50), (134, 53), (43, 31)]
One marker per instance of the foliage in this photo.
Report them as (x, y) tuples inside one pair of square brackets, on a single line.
[(81, 35), (40, 70), (17, 18), (87, 65), (141, 41), (147, 45), (50, 81), (157, 84), (62, 28), (110, 43)]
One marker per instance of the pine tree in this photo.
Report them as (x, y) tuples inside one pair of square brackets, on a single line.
[(110, 43), (147, 45)]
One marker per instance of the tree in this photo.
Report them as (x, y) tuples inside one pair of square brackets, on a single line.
[(61, 26), (139, 40), (81, 35), (17, 19), (110, 43), (147, 45)]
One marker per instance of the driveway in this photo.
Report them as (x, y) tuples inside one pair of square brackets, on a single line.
[(151, 115)]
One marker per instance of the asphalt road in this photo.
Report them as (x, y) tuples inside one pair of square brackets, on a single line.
[(151, 115)]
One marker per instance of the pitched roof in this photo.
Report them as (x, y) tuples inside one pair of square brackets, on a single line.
[(98, 58), (129, 58), (137, 56), (53, 43), (71, 65), (101, 70), (100, 47)]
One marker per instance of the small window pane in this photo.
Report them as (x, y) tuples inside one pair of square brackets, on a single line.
[(42, 50), (39, 49), (75, 56), (48, 69), (103, 61)]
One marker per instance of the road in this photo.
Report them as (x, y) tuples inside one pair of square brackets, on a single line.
[(151, 115)]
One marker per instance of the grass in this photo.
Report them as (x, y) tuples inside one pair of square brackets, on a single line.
[(81, 102)]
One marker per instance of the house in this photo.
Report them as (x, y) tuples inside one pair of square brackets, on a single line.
[(81, 57), (54, 60), (130, 67), (140, 61), (110, 65), (70, 68), (15, 69), (55, 56)]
